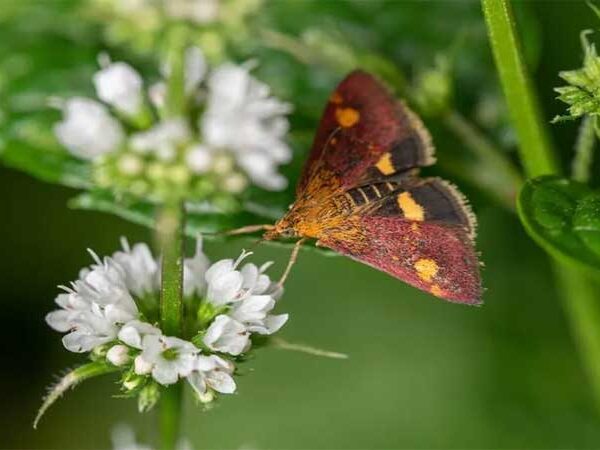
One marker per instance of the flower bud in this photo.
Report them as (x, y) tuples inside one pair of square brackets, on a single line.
[(148, 397), (130, 165), (120, 86), (118, 355), (131, 381), (141, 366)]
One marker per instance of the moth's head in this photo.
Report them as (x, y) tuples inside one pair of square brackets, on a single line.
[(282, 229)]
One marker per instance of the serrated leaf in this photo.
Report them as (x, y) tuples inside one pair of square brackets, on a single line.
[(198, 220), (563, 217)]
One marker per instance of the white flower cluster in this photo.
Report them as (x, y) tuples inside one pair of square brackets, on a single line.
[(231, 130), (106, 308)]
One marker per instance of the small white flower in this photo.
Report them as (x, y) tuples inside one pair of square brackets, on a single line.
[(167, 357), (133, 332), (119, 85), (227, 336), (93, 308), (163, 139), (212, 372), (87, 129), (224, 283), (194, 272), (141, 270), (118, 355), (237, 101)]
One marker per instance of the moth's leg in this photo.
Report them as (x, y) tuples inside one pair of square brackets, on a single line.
[(248, 229), (291, 262)]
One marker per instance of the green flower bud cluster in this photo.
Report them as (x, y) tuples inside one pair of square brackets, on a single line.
[(582, 93), (145, 175)]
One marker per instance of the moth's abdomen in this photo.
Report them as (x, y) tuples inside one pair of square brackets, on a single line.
[(370, 193)]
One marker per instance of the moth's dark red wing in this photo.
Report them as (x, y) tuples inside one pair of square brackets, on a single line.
[(365, 134), (431, 200), (418, 230), (435, 257)]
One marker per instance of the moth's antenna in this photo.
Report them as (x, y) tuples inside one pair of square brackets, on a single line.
[(291, 262)]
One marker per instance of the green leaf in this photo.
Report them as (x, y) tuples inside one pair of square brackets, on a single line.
[(586, 222), (563, 217), (200, 219), (47, 165)]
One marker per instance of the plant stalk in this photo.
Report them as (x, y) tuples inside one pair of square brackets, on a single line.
[(170, 233), (171, 401), (579, 292), (535, 150), (584, 150)]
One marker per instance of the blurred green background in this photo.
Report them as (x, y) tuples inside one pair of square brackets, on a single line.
[(421, 374)]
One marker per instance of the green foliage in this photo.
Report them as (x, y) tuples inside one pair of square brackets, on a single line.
[(563, 217)]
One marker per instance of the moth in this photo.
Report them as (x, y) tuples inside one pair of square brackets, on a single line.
[(360, 195)]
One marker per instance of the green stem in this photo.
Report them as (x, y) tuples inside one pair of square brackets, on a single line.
[(581, 304), (493, 171), (175, 99), (170, 416), (170, 232), (584, 150), (535, 149), (579, 292)]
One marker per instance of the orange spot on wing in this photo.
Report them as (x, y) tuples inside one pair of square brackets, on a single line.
[(385, 165), (410, 208), (426, 269), (347, 117), (336, 98), (437, 291)]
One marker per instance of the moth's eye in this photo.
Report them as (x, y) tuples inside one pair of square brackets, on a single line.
[(287, 233)]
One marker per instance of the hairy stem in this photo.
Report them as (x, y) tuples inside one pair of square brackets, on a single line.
[(535, 149), (69, 381), (170, 416), (584, 150), (175, 99), (579, 292), (170, 233)]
